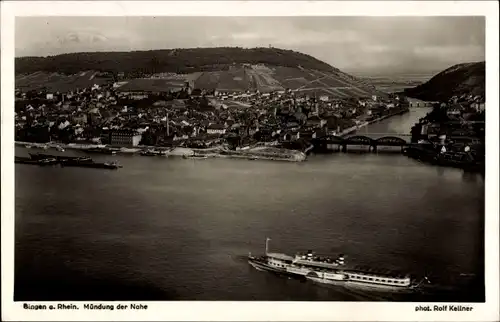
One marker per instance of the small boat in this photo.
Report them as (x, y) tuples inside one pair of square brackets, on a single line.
[(148, 153), (48, 161), (197, 157), (28, 146), (153, 153), (60, 149)]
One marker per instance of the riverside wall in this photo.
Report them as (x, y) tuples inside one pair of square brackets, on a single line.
[(260, 153)]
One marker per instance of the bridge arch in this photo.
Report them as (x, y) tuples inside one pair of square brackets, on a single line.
[(359, 139), (391, 140)]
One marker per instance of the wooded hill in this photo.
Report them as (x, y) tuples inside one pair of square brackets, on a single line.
[(467, 78), (172, 60)]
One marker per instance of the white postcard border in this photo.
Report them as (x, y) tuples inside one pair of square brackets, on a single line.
[(235, 311)]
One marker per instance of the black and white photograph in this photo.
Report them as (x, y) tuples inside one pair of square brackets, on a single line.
[(167, 158)]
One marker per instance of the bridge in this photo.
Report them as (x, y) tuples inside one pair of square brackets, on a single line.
[(368, 141), (376, 136)]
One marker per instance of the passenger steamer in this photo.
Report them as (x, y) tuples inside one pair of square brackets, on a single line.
[(328, 271)]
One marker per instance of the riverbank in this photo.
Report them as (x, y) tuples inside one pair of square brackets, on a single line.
[(360, 126), (255, 153), (432, 155)]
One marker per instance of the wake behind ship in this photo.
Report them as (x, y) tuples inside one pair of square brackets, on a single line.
[(326, 270)]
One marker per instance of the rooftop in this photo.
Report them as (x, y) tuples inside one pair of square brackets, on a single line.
[(152, 85)]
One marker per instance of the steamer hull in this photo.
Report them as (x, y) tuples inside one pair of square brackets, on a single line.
[(330, 271)]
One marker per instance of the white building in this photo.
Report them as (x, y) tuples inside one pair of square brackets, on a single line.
[(216, 129), (125, 137), (419, 103)]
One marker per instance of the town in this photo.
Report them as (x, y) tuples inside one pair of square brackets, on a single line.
[(166, 111), (140, 114)]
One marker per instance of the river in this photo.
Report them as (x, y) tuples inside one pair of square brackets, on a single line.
[(176, 229)]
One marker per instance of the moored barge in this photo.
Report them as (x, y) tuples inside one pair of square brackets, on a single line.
[(98, 165), (42, 156), (41, 162)]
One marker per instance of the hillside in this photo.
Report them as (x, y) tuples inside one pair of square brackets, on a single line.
[(171, 60), (57, 82), (467, 78), (224, 69)]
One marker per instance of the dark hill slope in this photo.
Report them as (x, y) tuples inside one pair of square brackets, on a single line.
[(224, 69), (467, 78), (173, 60)]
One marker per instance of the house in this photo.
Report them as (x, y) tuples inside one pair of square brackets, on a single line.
[(316, 122), (305, 134), (180, 135), (197, 92), (293, 126), (266, 134), (137, 95), (253, 129), (478, 107), (413, 102), (124, 137), (216, 129), (79, 118), (177, 104), (289, 136), (454, 112), (318, 134)]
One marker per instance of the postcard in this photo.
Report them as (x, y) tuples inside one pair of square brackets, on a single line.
[(250, 161)]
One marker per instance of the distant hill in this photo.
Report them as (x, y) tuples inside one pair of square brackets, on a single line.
[(224, 69), (168, 60), (467, 78)]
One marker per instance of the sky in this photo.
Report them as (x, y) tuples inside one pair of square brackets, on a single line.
[(374, 45)]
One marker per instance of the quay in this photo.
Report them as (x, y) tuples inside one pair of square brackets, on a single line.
[(258, 151), (254, 153)]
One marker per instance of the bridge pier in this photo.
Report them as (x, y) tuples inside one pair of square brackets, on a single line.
[(373, 148), (333, 147)]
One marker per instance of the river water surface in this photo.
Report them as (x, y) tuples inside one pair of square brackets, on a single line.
[(175, 229)]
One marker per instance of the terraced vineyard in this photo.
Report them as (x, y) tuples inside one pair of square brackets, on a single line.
[(224, 69), (335, 84), (55, 82)]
